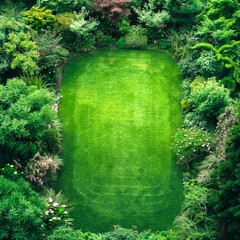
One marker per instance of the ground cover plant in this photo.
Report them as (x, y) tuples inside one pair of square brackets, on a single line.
[(117, 126)]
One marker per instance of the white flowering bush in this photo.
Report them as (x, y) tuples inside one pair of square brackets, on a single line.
[(57, 214), (192, 145)]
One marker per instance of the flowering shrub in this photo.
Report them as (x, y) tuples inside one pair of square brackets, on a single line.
[(40, 169), (10, 172), (192, 145), (55, 215)]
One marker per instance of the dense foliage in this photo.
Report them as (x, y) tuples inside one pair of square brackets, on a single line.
[(37, 37), (20, 210), (27, 120)]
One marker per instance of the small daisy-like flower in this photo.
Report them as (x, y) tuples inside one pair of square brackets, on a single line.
[(55, 204)]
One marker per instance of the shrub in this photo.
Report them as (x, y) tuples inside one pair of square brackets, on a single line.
[(18, 51), (66, 232), (51, 54), (192, 145), (64, 20), (198, 80), (194, 221), (20, 210), (113, 9), (192, 120), (32, 80), (229, 83), (103, 40), (39, 18), (120, 233), (209, 65), (208, 100), (136, 38), (83, 27), (26, 112), (188, 66), (57, 214), (40, 170), (61, 6), (136, 41), (10, 172), (124, 26), (164, 44), (226, 194), (121, 43)]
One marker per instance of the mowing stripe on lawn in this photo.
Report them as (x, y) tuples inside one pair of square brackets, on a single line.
[(119, 110)]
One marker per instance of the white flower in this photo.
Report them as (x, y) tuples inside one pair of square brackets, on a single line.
[(55, 204)]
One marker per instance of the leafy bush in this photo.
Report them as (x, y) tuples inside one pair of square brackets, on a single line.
[(20, 210), (123, 26), (188, 66), (183, 12), (39, 18), (198, 80), (192, 145), (66, 232), (136, 41), (164, 44), (83, 27), (194, 221), (62, 6), (229, 83), (192, 120), (10, 172), (136, 38), (208, 100), (37, 81), (64, 20), (18, 51), (51, 54), (103, 40), (209, 65), (26, 112), (121, 43), (57, 214)]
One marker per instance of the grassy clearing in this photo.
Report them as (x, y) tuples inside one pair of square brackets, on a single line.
[(119, 110)]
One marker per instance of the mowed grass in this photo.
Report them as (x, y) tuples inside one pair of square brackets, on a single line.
[(119, 110)]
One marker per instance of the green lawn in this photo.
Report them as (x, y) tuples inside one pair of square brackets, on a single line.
[(119, 110)]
